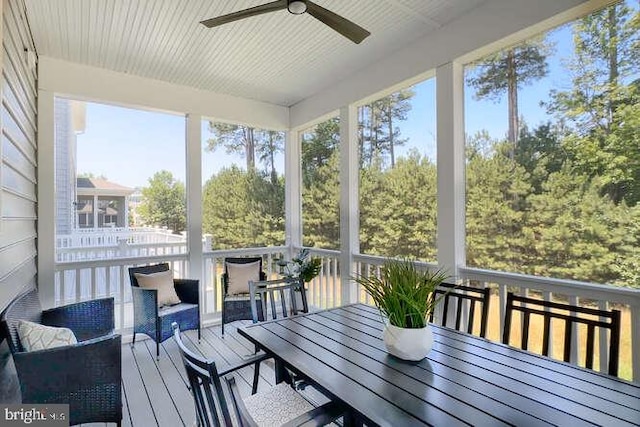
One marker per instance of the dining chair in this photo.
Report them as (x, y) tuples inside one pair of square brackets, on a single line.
[(238, 271), (463, 299), (279, 297), (570, 315), (153, 319), (278, 405)]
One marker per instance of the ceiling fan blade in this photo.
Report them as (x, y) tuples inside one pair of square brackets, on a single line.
[(350, 30), (252, 11)]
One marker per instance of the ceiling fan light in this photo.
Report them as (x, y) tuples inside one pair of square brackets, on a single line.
[(297, 7)]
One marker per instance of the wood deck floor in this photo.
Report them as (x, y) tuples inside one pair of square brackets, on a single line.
[(154, 392)]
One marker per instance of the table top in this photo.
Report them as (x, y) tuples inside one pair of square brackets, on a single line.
[(465, 380)]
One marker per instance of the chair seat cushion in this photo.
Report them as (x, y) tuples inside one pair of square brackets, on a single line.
[(172, 309), (34, 336), (163, 283), (276, 405)]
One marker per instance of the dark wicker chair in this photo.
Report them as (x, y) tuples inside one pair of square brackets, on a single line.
[(467, 298), (86, 375), (237, 307), (212, 407), (569, 315), (156, 322)]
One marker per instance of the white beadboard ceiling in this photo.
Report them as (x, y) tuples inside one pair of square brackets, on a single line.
[(277, 57)]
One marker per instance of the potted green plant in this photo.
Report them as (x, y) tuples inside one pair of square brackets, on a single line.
[(405, 295), (303, 266)]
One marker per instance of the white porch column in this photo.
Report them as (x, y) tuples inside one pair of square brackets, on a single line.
[(349, 209), (193, 137), (46, 199), (293, 190), (451, 163)]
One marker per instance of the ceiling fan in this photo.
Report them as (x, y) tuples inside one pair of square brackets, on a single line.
[(350, 30)]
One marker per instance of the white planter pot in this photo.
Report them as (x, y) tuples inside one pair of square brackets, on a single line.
[(408, 344)]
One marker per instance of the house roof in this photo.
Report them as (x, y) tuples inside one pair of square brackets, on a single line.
[(277, 57), (101, 187)]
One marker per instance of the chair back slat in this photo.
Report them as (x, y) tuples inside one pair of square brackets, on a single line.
[(570, 315), (206, 388), (273, 293), (465, 299), (24, 307)]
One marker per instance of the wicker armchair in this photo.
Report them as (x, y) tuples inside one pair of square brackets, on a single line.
[(156, 322), (86, 375), (237, 307)]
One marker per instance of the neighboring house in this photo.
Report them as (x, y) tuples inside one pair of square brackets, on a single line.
[(70, 122), (109, 199)]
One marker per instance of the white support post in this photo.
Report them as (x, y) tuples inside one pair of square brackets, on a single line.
[(46, 199), (293, 191), (193, 137), (349, 208), (451, 163)]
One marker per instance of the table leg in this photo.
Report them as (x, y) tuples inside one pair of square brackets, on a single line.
[(282, 374)]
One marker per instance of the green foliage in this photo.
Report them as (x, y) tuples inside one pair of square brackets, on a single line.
[(302, 265), (164, 202), (243, 209), (404, 294)]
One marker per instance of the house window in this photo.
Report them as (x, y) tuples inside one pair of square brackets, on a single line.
[(552, 158), (398, 187)]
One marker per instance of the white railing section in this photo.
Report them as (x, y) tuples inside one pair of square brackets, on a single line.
[(626, 300), (85, 280), (603, 297), (325, 290)]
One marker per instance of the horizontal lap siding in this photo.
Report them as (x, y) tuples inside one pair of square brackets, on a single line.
[(18, 148)]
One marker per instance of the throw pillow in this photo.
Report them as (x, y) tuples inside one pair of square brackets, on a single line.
[(163, 283), (239, 276), (34, 336)]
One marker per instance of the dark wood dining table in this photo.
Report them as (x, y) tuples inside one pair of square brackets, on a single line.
[(465, 380)]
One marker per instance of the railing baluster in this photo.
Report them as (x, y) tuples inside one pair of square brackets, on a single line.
[(575, 342)]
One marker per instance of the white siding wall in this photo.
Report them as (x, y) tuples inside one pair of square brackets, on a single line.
[(18, 148)]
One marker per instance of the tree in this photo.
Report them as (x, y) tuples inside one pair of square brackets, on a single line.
[(270, 143), (243, 209), (379, 134), (601, 108), (248, 141), (235, 139), (507, 71), (318, 147), (164, 203)]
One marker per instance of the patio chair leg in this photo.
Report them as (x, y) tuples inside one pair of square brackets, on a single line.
[(133, 342), (157, 351), (199, 334), (256, 377)]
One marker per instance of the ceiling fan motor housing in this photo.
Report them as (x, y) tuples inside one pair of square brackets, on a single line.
[(297, 7)]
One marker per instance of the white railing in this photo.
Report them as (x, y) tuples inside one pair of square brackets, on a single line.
[(85, 280), (325, 291), (92, 237), (626, 300)]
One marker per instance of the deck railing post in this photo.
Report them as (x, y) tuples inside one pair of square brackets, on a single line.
[(349, 208)]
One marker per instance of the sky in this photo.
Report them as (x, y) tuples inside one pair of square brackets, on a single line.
[(128, 146)]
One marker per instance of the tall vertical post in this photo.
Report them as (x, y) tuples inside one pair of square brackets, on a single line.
[(349, 209), (95, 212), (451, 163), (293, 190), (193, 136), (46, 199)]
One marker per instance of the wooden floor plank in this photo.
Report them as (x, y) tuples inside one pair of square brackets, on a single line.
[(165, 411), (140, 409), (174, 383)]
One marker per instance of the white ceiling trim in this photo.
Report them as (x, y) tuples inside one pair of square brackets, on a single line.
[(97, 84)]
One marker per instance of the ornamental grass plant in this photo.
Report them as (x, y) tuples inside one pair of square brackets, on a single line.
[(403, 293)]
